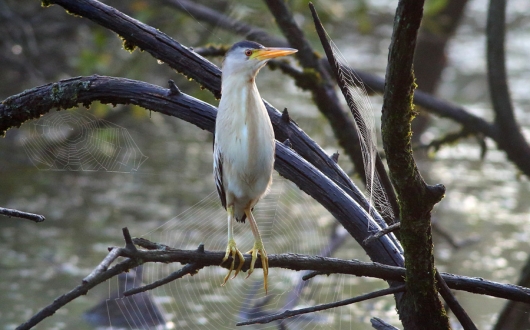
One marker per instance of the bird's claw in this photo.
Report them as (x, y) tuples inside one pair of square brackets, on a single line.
[(232, 251), (258, 248)]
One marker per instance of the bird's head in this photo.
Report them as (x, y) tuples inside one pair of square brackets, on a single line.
[(247, 57)]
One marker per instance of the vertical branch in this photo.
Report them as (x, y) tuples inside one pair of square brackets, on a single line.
[(512, 140), (420, 307)]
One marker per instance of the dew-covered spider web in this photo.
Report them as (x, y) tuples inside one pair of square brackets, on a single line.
[(363, 112), (76, 140), (290, 222)]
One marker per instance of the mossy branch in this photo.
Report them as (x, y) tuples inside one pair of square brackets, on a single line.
[(420, 307)]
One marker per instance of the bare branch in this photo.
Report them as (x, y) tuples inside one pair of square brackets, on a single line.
[(512, 141), (78, 291), (23, 215), (381, 233), (379, 324), (328, 266), (420, 307), (104, 265), (453, 304), (219, 20), (296, 262), (191, 269), (291, 313)]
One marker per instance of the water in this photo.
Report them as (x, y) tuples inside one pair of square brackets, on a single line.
[(85, 211)]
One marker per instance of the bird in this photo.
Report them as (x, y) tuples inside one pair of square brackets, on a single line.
[(243, 157)]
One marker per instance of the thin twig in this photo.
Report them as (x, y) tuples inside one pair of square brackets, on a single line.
[(188, 269), (219, 20), (379, 324), (24, 215), (104, 265), (291, 313), (78, 291), (453, 304), (114, 253), (381, 233)]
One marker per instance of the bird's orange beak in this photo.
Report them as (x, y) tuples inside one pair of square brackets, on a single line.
[(268, 53)]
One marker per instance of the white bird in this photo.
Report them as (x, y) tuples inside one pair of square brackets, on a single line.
[(244, 146)]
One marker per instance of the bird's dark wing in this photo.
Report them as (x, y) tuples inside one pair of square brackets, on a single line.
[(218, 174)]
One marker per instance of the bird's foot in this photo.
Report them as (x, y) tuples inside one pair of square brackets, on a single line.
[(259, 248), (232, 251)]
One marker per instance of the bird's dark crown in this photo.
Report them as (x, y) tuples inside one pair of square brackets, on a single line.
[(245, 44)]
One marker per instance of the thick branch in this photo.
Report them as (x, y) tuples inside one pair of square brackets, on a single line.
[(513, 141), (331, 266), (421, 307)]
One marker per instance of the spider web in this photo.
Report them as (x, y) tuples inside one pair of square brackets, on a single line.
[(290, 222), (79, 141), (361, 106)]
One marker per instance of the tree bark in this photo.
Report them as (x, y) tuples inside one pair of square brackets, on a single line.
[(420, 307)]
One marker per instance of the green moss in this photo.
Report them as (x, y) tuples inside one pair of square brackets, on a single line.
[(128, 45), (308, 79), (56, 93)]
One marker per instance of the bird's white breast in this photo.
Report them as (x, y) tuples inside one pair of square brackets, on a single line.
[(245, 138)]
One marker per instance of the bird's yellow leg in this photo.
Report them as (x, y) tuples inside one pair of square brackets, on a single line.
[(231, 249), (258, 248)]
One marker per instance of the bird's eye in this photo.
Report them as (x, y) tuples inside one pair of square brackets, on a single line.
[(248, 52)]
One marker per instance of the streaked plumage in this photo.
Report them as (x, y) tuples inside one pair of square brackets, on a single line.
[(244, 143)]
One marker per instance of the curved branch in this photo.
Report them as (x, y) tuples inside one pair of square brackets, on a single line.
[(68, 93), (513, 141)]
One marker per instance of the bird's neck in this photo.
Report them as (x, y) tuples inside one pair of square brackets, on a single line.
[(238, 81), (239, 93)]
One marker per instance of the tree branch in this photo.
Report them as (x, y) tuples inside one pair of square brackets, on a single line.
[(290, 313), (217, 19), (512, 141), (453, 304), (421, 306), (99, 275), (24, 215), (318, 81)]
